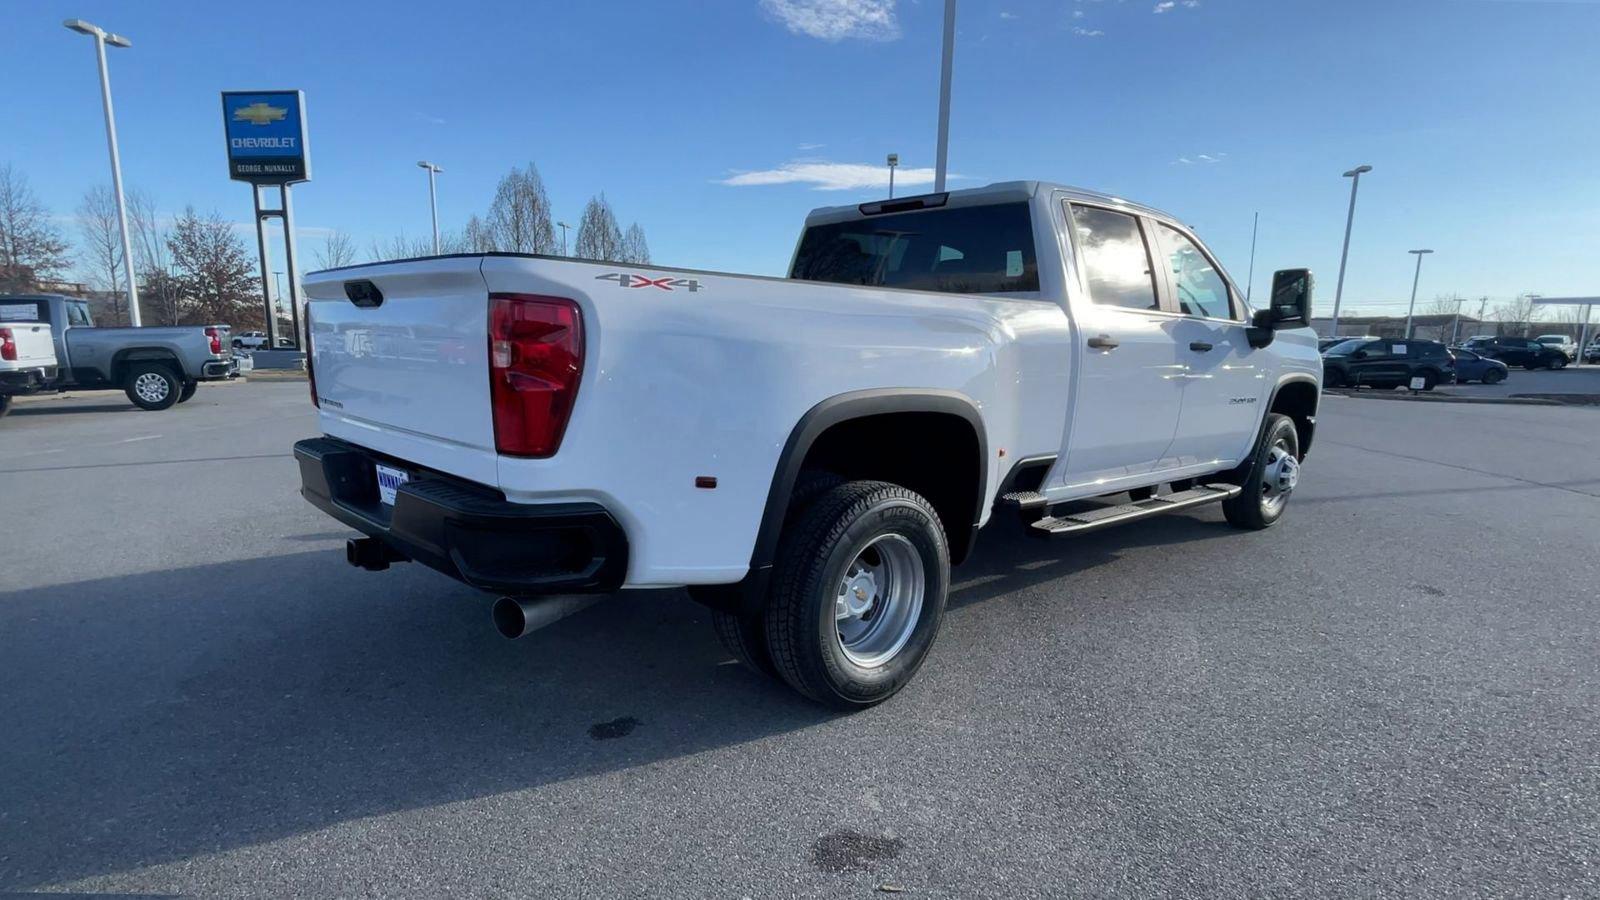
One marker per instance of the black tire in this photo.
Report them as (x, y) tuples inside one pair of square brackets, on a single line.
[(1429, 379), (1181, 485), (189, 387), (817, 551), (1250, 509), (5, 405), (1333, 378), (1558, 362), (1493, 376), (745, 637), (160, 384)]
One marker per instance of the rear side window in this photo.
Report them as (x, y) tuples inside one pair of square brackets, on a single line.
[(78, 314), (1116, 259), (960, 250), (1434, 351)]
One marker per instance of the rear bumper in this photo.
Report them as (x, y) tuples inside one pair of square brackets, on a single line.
[(467, 531), (26, 381), (219, 368)]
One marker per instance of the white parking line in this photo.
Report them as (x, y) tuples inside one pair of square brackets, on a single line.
[(142, 437)]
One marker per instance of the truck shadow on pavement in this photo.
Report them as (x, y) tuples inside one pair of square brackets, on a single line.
[(156, 717)]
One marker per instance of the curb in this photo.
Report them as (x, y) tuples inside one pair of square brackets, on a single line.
[(1435, 397), (275, 375)]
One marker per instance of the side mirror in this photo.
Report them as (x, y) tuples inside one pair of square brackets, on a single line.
[(1291, 299)]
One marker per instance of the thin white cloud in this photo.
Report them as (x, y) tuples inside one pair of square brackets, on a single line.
[(831, 176), (1200, 159), (836, 20), (1165, 6), (1088, 32), (431, 120), (806, 148), (1077, 14), (1009, 16)]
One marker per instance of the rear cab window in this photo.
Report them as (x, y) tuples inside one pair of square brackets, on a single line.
[(963, 250)]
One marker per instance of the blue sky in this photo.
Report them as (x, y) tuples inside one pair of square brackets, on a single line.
[(1480, 117)]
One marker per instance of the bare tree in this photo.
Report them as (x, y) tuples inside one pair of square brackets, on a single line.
[(598, 234), (338, 249), (634, 247), (399, 247), (519, 217), (477, 237), (1517, 315), (215, 270), (1441, 306), (31, 249), (160, 294), (101, 231)]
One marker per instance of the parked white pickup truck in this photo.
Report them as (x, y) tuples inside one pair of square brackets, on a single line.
[(809, 455), (27, 357)]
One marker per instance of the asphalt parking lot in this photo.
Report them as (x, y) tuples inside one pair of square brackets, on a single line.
[(1396, 691)]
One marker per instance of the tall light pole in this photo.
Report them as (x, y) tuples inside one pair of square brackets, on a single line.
[(433, 201), (101, 38), (894, 160), (1338, 290), (563, 226), (943, 155), (1414, 279)]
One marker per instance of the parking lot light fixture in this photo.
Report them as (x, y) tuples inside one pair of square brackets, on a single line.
[(1414, 279), (101, 38), (894, 160), (433, 201), (1338, 289)]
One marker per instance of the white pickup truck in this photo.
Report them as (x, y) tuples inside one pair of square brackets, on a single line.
[(811, 454), (27, 356)]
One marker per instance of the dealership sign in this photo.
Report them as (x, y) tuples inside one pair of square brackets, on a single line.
[(266, 133)]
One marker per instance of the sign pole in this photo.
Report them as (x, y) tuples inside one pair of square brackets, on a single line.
[(266, 266), (294, 273)]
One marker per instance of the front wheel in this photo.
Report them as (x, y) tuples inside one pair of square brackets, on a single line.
[(1560, 362), (1270, 476), (152, 386), (1494, 376), (858, 593)]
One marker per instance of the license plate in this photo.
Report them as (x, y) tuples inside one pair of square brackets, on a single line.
[(389, 480)]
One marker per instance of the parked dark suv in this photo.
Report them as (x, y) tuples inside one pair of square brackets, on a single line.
[(1516, 351), (1387, 363)]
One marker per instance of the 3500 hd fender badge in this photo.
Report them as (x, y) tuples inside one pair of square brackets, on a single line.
[(629, 280)]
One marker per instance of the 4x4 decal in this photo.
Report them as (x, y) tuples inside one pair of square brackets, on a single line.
[(667, 283)]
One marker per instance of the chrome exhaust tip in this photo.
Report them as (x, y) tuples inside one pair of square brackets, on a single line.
[(516, 617)]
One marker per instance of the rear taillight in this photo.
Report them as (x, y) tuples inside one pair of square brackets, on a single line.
[(8, 345), (535, 362), (311, 371), (216, 340)]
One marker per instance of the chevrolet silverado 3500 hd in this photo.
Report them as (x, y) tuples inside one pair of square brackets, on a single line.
[(808, 455)]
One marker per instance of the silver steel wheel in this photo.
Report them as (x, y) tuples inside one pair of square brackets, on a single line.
[(879, 600), (151, 388), (1279, 476)]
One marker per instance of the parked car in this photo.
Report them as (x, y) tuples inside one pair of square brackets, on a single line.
[(1471, 366), (1516, 351), (156, 367), (812, 454), (27, 355), (1387, 363), (250, 340), (1563, 342), (1591, 354), (1324, 343)]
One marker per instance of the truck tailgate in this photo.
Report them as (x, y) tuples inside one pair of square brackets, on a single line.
[(31, 345), (407, 376)]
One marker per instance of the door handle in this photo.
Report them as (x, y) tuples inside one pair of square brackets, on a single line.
[(1199, 346), (1103, 342)]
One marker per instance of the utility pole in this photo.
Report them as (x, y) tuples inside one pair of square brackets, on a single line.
[(563, 226), (1414, 279), (894, 160), (433, 201)]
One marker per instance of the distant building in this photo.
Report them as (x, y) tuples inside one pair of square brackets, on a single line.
[(1431, 327)]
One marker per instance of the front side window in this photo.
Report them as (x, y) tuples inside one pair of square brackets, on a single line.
[(1116, 261), (961, 250), (1200, 287), (78, 314)]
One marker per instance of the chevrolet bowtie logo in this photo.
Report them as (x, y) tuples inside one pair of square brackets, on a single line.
[(259, 114)]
